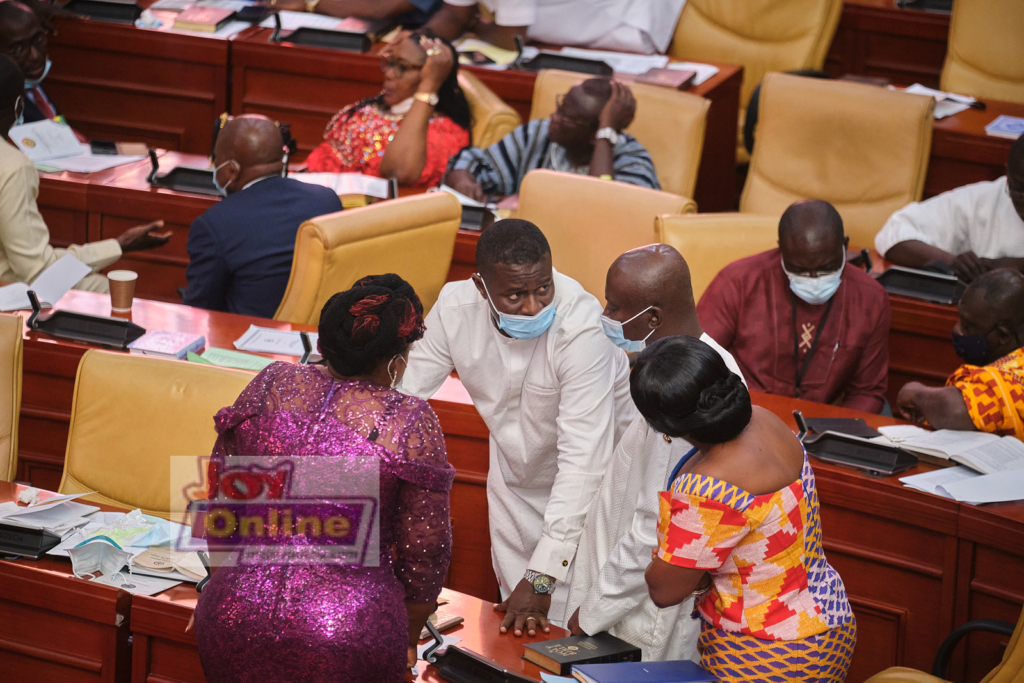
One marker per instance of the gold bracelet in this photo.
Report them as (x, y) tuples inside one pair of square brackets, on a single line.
[(430, 98), (605, 176)]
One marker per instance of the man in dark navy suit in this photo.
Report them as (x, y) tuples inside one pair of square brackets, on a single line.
[(240, 250)]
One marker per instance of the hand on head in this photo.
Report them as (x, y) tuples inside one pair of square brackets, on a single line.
[(619, 110), (438, 65)]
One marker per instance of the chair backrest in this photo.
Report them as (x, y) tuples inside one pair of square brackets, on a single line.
[(862, 148), (711, 241), (492, 118), (762, 35), (130, 415), (1011, 668), (669, 123), (985, 56), (589, 222), (413, 237), (11, 327)]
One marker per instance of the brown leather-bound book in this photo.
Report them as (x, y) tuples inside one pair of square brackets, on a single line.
[(205, 19), (670, 78)]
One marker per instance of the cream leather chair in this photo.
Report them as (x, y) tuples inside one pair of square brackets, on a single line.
[(669, 123), (985, 56), (762, 35), (589, 222), (1009, 670), (492, 118), (711, 241), (11, 327), (413, 237), (862, 148), (130, 415)]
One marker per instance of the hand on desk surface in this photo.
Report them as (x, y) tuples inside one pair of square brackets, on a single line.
[(619, 110), (574, 624), (525, 608), (464, 182), (143, 237)]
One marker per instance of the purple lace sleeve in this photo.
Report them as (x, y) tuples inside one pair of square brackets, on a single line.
[(423, 534)]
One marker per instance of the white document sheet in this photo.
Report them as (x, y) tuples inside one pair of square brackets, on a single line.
[(622, 62), (990, 488), (347, 183), (233, 5), (87, 162), (52, 284), (268, 340), (899, 433), (946, 103), (136, 584), (930, 482), (172, 5), (45, 140), (293, 20), (704, 71), (950, 441)]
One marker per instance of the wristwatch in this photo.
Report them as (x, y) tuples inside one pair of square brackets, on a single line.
[(542, 583), (311, 5), (430, 98), (608, 133)]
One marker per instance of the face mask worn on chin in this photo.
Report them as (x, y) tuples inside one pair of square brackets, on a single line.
[(223, 189), (522, 326), (815, 290), (31, 83), (99, 554), (613, 330), (973, 348)]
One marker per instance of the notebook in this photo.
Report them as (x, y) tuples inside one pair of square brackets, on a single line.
[(205, 19), (163, 344), (558, 656), (981, 451)]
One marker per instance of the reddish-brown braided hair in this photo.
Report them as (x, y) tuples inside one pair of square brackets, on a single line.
[(374, 320)]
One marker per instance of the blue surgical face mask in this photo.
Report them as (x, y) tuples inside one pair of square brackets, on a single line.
[(31, 83), (223, 189), (522, 326), (613, 330), (973, 348), (815, 290)]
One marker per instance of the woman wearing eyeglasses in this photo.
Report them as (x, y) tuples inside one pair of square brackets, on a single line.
[(410, 130)]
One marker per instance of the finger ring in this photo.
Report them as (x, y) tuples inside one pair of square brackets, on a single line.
[(433, 51)]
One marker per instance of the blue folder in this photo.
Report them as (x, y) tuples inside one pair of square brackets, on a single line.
[(643, 672)]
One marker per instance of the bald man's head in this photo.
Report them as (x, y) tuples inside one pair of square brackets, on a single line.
[(248, 147), (992, 307), (650, 288), (811, 238)]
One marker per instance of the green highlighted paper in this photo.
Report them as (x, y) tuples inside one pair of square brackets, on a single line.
[(230, 359)]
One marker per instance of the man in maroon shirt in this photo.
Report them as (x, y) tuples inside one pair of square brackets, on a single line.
[(800, 321)]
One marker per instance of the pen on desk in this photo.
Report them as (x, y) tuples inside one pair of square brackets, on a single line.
[(979, 105)]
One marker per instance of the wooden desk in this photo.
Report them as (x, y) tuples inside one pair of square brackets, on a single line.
[(119, 82), (876, 38), (306, 86), (962, 153), (914, 565), (54, 627)]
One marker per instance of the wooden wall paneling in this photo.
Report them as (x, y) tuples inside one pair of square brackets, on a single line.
[(874, 38), (161, 650), (961, 151), (61, 628), (920, 344), (114, 81)]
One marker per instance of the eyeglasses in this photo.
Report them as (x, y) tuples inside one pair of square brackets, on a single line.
[(396, 67), (560, 113), (21, 49)]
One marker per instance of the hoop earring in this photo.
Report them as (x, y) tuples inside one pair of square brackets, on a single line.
[(393, 375)]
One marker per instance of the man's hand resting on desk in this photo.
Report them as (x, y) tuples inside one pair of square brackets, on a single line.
[(525, 610), (464, 182), (143, 237)]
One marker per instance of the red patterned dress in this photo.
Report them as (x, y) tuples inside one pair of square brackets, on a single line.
[(355, 141), (777, 612)]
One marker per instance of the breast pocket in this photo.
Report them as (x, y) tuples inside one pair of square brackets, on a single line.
[(539, 425)]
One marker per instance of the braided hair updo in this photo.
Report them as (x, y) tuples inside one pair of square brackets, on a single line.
[(373, 321), (683, 388)]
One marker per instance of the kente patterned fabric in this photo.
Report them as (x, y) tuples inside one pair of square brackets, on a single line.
[(326, 622), (355, 142), (776, 607), (994, 394)]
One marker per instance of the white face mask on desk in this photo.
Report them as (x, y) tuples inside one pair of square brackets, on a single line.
[(99, 554)]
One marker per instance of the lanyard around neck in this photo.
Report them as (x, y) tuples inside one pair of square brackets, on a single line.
[(798, 368)]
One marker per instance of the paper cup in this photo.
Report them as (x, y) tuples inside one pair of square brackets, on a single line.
[(122, 289)]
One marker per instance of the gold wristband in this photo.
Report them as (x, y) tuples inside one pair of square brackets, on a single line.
[(430, 98), (606, 177)]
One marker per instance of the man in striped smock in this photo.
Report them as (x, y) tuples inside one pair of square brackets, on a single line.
[(583, 136)]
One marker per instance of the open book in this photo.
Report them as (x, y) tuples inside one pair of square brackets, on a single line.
[(981, 451)]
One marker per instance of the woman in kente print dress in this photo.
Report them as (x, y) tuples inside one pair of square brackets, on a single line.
[(399, 132), (740, 525), (324, 621)]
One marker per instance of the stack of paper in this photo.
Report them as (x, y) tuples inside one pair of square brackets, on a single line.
[(347, 183), (293, 20), (56, 515), (50, 286), (54, 147), (981, 451), (946, 103), (621, 62), (269, 340)]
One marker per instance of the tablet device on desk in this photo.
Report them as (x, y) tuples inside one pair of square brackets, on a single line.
[(101, 10), (332, 40), (937, 288), (552, 60)]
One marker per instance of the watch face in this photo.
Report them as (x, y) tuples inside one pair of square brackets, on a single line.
[(542, 584)]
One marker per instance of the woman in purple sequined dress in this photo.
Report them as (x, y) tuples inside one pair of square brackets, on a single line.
[(328, 622)]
